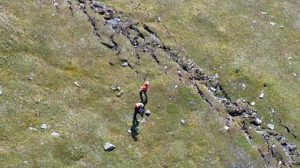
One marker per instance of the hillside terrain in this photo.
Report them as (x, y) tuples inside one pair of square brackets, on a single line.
[(224, 83)]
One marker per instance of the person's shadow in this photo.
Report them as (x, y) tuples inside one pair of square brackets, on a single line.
[(135, 129)]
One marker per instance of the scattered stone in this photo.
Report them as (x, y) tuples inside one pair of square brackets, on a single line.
[(176, 86), (271, 126), (1, 91), (282, 27), (252, 103), (257, 121), (120, 94), (158, 19), (25, 162), (213, 89), (226, 128), (182, 122), (244, 86), (114, 88), (147, 113), (272, 23), (263, 13), (44, 126), (294, 74), (109, 146), (262, 95), (32, 129), (55, 134), (77, 84), (125, 64)]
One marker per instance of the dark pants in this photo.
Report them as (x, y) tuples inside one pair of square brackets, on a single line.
[(144, 101), (135, 122)]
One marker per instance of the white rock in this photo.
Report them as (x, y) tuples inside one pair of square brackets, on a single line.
[(1, 91), (258, 121), (55, 134), (262, 95), (32, 129), (226, 128), (213, 89), (147, 113), (271, 126), (244, 86), (263, 13), (109, 146), (182, 122), (176, 86), (294, 74), (125, 64), (44, 126), (252, 103), (282, 27), (25, 162), (77, 84), (272, 23)]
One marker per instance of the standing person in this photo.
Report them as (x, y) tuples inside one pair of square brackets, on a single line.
[(139, 108), (143, 91)]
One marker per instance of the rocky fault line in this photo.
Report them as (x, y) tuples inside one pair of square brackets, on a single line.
[(143, 39)]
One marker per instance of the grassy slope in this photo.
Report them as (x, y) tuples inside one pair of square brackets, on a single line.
[(224, 35), (59, 50)]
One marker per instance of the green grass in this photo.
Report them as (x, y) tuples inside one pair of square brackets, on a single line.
[(60, 50)]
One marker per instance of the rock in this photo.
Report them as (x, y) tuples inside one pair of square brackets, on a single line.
[(120, 94), (182, 122), (114, 88), (226, 128), (291, 147), (271, 126), (244, 86), (32, 129), (55, 134), (272, 23), (147, 113), (263, 13), (125, 64), (252, 103), (44, 126), (213, 89), (77, 84), (109, 146), (158, 19), (25, 162), (1, 91), (81, 1), (282, 27), (262, 95), (257, 121)]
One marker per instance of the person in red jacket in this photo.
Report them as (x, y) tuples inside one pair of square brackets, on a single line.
[(143, 91)]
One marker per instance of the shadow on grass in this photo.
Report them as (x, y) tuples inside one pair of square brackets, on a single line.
[(135, 129)]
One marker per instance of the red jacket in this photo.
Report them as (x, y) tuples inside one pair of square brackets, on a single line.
[(145, 86)]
